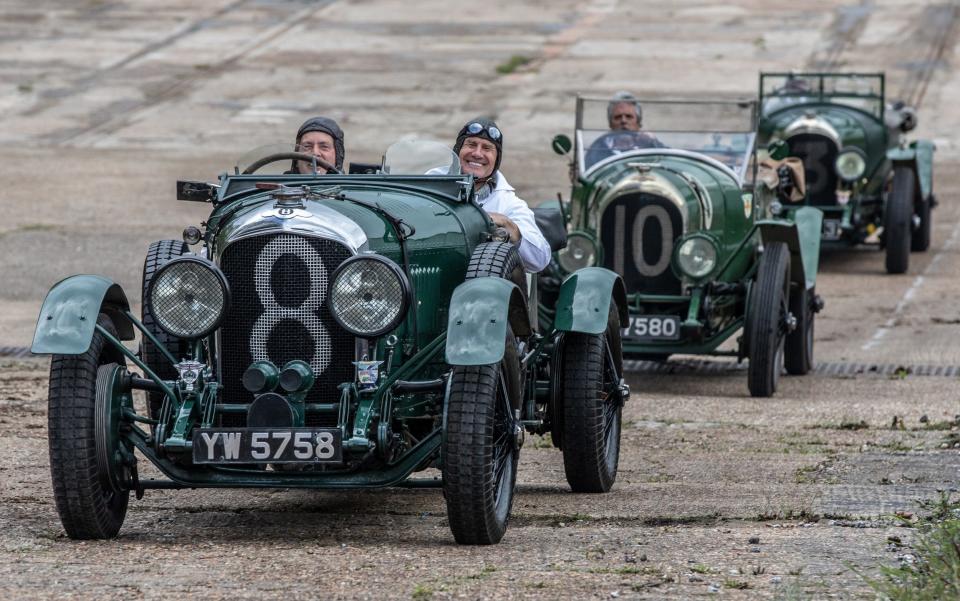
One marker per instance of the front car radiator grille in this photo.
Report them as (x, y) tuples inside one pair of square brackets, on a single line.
[(278, 286), (819, 156), (638, 232)]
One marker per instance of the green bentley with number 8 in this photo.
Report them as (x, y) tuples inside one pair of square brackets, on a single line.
[(708, 243), (331, 331)]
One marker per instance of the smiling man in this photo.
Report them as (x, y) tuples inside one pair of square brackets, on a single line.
[(480, 148), (323, 138)]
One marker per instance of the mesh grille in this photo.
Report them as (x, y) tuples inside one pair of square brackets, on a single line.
[(819, 155), (187, 299), (278, 313), (638, 232)]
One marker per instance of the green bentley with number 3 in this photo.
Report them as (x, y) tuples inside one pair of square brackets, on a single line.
[(861, 171), (683, 212), (331, 331)]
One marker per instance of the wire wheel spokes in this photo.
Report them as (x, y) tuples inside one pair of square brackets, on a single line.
[(503, 440)]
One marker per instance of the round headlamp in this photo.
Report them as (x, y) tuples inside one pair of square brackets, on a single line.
[(189, 297), (851, 164), (369, 295), (697, 257), (580, 252)]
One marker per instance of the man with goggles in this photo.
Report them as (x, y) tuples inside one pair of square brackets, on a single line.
[(323, 138), (480, 148)]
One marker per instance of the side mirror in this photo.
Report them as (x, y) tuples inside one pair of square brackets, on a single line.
[(778, 150), (561, 144), (196, 191)]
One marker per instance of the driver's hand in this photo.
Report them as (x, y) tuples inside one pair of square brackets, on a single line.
[(503, 221)]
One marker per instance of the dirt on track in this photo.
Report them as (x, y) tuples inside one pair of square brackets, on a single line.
[(718, 493)]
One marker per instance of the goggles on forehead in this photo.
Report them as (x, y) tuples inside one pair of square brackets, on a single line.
[(492, 131)]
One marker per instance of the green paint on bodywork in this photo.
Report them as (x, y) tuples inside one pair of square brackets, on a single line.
[(802, 236), (479, 312), (584, 301), (69, 314)]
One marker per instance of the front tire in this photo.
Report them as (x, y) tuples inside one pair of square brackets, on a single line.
[(480, 449), (592, 407), (898, 221), (88, 506), (768, 310)]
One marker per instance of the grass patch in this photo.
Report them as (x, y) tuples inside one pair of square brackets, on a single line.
[(739, 585), (512, 64), (932, 570), (701, 569), (421, 592)]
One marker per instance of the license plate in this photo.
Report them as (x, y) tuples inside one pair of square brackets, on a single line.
[(652, 327), (267, 445)]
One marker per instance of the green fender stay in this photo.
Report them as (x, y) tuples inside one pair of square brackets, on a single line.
[(919, 156), (479, 312), (584, 301), (69, 314), (802, 236)]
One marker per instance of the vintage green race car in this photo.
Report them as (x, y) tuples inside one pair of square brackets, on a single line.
[(331, 331), (681, 211), (860, 169)]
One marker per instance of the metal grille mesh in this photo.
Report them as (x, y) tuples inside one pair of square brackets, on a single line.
[(818, 154), (279, 286), (369, 296), (187, 299), (638, 232)]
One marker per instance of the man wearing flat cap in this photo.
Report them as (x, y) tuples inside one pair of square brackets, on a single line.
[(480, 148), (323, 138)]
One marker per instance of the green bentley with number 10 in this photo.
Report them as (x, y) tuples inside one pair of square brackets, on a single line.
[(860, 169), (331, 331), (682, 211)]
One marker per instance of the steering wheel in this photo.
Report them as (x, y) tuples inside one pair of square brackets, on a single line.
[(286, 156)]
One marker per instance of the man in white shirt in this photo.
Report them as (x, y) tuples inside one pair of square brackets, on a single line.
[(480, 148)]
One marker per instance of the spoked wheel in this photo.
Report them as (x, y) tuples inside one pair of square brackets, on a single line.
[(481, 447), (88, 487), (898, 221), (798, 348), (766, 322), (592, 407)]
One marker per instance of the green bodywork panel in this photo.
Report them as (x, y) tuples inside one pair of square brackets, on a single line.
[(584, 301), (69, 314), (802, 236), (919, 155), (479, 312)]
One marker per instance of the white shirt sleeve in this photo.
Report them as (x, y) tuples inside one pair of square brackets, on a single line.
[(534, 249)]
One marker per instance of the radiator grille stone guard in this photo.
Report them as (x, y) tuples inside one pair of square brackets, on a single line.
[(638, 232), (278, 313), (819, 155)]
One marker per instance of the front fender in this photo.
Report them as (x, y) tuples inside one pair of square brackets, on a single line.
[(584, 301), (479, 312), (69, 314), (802, 236), (919, 157)]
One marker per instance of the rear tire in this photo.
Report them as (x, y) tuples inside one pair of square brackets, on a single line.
[(592, 410), (479, 449), (920, 239), (898, 221), (157, 256), (768, 308), (88, 508), (798, 347)]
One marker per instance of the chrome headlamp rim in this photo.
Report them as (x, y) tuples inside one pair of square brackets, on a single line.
[(221, 278), (847, 151), (571, 242), (406, 296), (683, 241)]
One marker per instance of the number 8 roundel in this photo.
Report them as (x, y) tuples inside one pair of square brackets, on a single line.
[(305, 314)]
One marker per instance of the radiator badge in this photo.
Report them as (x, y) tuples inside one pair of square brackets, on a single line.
[(368, 372)]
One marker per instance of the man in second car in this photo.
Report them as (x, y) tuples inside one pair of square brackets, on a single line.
[(480, 148)]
